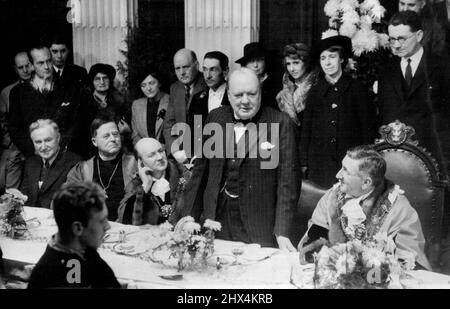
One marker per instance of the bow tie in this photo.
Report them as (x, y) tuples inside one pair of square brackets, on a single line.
[(244, 122), (160, 188)]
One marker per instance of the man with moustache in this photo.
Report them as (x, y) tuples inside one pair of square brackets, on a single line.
[(23, 69), (151, 194), (364, 203), (190, 82), (45, 172), (41, 97), (111, 168), (71, 259), (254, 202)]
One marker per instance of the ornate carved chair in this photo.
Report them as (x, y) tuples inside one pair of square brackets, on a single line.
[(415, 170)]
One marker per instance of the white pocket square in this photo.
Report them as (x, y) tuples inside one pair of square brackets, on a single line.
[(65, 104), (267, 146)]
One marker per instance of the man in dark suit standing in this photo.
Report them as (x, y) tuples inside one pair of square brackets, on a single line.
[(215, 70), (46, 171), (44, 96), (190, 82), (415, 88), (67, 73), (253, 181)]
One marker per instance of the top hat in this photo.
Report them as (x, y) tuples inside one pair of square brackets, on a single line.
[(251, 51)]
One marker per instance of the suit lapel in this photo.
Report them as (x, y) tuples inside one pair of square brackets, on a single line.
[(53, 173), (419, 78), (34, 174), (225, 100), (397, 79)]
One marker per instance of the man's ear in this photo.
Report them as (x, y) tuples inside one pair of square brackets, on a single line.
[(94, 142), (419, 36), (77, 228), (225, 74), (367, 183)]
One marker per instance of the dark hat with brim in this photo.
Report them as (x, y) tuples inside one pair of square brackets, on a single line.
[(102, 68), (338, 40), (252, 51)]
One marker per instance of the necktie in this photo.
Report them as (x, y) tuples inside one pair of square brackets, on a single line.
[(187, 95), (408, 74), (44, 173)]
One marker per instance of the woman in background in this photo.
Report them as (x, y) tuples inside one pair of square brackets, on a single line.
[(297, 80), (148, 112)]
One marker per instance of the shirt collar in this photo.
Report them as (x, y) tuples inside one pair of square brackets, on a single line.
[(415, 59), (220, 90)]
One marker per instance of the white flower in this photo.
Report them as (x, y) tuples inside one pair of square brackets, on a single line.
[(372, 257), (17, 194), (349, 5), (212, 225), (383, 39), (377, 13), (345, 264), (191, 227), (267, 146), (350, 17), (368, 5), (332, 7), (366, 22), (165, 227), (333, 22), (329, 33), (348, 29), (364, 41)]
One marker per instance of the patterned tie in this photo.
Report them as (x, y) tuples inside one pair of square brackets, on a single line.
[(187, 94), (408, 74)]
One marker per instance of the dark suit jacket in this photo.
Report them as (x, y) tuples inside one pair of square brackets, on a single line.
[(199, 104), (28, 105), (177, 111), (425, 107), (55, 178), (336, 118), (267, 197), (73, 73)]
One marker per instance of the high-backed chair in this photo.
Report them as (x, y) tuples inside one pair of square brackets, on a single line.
[(417, 173)]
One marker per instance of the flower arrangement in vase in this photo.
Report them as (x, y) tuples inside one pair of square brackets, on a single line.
[(12, 222)]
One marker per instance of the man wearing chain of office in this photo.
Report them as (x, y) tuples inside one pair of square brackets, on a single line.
[(111, 168)]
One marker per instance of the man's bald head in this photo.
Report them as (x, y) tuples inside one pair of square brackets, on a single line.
[(186, 65), (151, 153), (22, 65), (244, 93)]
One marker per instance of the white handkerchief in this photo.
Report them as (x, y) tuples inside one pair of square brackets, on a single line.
[(160, 187)]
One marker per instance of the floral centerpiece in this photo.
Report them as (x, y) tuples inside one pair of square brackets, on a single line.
[(361, 21), (189, 244), (12, 222), (369, 263)]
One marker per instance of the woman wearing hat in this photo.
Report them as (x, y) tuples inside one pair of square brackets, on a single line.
[(148, 112), (100, 97), (338, 114), (300, 75), (257, 59)]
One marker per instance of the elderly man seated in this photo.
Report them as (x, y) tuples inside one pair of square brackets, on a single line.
[(46, 171), (151, 194), (364, 203), (71, 259), (111, 168)]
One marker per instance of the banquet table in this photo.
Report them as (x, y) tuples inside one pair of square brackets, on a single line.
[(253, 268)]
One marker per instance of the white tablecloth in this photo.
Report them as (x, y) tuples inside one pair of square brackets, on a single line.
[(260, 268)]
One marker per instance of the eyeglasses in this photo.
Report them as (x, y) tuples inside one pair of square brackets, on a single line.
[(401, 40)]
